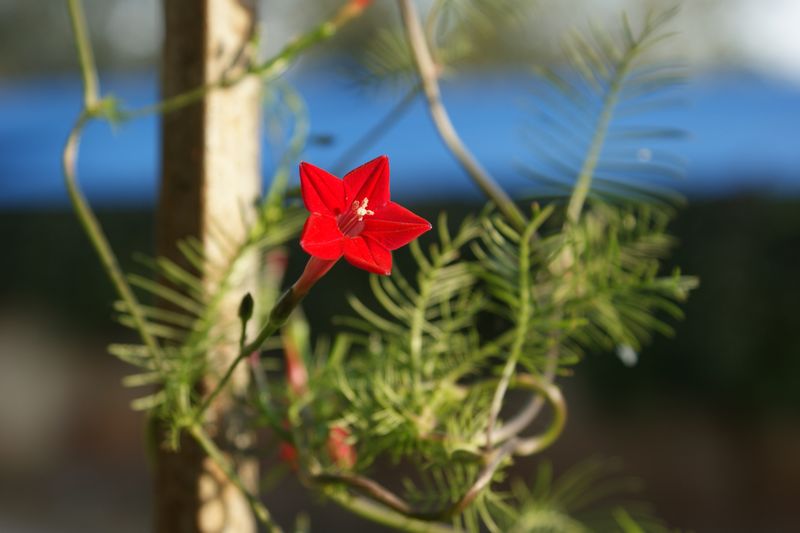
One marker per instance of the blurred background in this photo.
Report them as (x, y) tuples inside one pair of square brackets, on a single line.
[(709, 419)]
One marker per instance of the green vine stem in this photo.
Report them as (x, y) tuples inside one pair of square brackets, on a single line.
[(584, 181), (273, 203), (87, 218), (277, 318), (521, 331), (86, 57), (553, 396), (385, 503), (371, 136), (383, 515), (270, 68), (211, 449), (99, 240), (526, 415), (93, 108)]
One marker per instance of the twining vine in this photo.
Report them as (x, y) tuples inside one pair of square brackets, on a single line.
[(416, 376)]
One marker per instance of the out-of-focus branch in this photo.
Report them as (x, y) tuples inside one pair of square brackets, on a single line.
[(277, 318), (552, 395), (537, 443), (370, 488), (583, 184), (85, 55), (427, 70), (369, 509), (530, 411), (521, 331), (273, 202), (484, 477), (375, 132), (390, 500), (272, 67), (222, 462), (383, 500), (82, 208)]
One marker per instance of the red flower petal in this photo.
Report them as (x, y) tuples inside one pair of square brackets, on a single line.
[(288, 454), (370, 180), (369, 255), (394, 226), (322, 192), (321, 237)]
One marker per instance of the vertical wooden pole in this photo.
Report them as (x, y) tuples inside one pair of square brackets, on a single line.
[(210, 182)]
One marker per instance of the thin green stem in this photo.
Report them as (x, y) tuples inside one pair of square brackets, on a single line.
[(223, 381), (225, 465), (371, 136), (494, 460), (220, 385), (418, 322), (374, 490), (521, 331), (277, 318), (277, 190), (391, 505), (270, 68), (383, 515), (99, 241), (553, 396), (85, 56), (584, 181), (81, 206), (528, 414), (428, 73)]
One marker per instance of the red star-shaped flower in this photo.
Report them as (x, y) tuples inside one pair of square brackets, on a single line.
[(353, 217)]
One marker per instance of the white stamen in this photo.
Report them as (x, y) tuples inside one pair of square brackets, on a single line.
[(361, 210)]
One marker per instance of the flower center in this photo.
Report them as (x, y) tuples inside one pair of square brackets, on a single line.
[(351, 222)]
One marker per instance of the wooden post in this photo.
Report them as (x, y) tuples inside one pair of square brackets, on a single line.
[(210, 178)]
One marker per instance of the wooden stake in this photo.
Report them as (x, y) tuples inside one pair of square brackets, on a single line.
[(210, 182)]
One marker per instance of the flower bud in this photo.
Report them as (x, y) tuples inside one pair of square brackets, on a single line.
[(341, 452), (246, 308), (296, 374), (288, 454)]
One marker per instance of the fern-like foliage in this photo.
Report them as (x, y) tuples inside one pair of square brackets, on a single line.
[(592, 137), (413, 389), (594, 286), (386, 61), (190, 325), (462, 30), (402, 387), (512, 269), (187, 317), (591, 496), (610, 284), (459, 33), (421, 374)]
